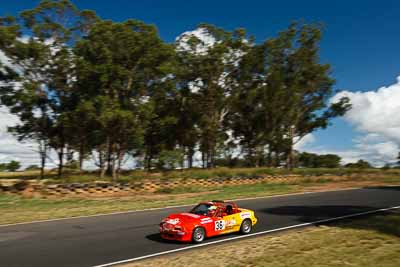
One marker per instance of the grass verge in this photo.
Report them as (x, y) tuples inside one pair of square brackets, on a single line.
[(369, 241)]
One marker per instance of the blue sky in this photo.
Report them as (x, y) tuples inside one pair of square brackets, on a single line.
[(361, 39)]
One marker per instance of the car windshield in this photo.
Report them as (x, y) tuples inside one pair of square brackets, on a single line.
[(203, 209)]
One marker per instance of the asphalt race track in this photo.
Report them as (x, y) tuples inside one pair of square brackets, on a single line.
[(100, 240)]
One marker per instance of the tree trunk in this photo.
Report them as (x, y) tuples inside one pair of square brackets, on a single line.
[(43, 151), (114, 169), (101, 164), (190, 157), (208, 159), (60, 161), (109, 157), (250, 162), (260, 156), (149, 158), (290, 153), (103, 172), (182, 163), (290, 159), (277, 159), (81, 156), (211, 159), (69, 154), (269, 158), (257, 160), (120, 158), (42, 167)]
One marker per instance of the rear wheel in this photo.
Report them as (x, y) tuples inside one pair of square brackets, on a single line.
[(246, 227), (198, 235)]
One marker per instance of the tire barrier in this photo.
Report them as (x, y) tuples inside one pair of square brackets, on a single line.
[(102, 188)]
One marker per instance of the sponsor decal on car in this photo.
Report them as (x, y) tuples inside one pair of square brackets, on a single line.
[(231, 222), (206, 220), (245, 215)]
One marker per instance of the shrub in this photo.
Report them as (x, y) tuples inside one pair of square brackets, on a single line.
[(32, 168), (12, 166), (170, 159)]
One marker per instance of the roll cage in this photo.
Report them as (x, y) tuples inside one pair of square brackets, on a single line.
[(215, 208)]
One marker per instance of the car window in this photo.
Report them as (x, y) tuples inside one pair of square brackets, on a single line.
[(204, 209)]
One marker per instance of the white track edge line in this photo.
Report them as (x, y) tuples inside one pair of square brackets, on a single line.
[(174, 206), (248, 235)]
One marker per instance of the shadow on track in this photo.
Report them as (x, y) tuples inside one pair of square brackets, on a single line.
[(381, 223), (390, 188), (156, 237), (316, 213)]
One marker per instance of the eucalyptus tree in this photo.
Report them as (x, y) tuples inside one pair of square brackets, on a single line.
[(282, 94), (41, 54), (247, 111), (162, 132), (304, 85), (9, 30), (122, 67), (208, 65), (187, 110)]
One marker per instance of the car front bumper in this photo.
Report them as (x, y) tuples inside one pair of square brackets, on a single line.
[(176, 235)]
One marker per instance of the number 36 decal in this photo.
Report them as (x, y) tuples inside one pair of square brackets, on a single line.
[(219, 225)]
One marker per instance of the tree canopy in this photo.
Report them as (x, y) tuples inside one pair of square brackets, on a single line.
[(12, 166), (110, 91), (360, 164)]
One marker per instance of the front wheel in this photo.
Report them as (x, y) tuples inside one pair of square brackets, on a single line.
[(198, 235), (246, 227)]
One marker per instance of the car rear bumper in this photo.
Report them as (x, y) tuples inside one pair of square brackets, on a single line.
[(254, 220)]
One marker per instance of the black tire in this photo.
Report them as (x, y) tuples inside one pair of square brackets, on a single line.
[(246, 227), (198, 235)]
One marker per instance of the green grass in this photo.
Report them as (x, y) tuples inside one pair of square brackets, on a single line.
[(363, 242), (374, 241)]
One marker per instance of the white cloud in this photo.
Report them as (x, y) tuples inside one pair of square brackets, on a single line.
[(303, 143), (376, 116), (206, 40), (196, 85), (376, 112), (378, 153), (10, 147), (4, 60), (27, 152)]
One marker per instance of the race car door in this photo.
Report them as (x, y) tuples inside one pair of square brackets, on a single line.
[(232, 223)]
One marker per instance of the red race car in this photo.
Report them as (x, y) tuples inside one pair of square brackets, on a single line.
[(207, 219)]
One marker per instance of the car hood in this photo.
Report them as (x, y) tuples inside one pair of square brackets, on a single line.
[(185, 218)]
